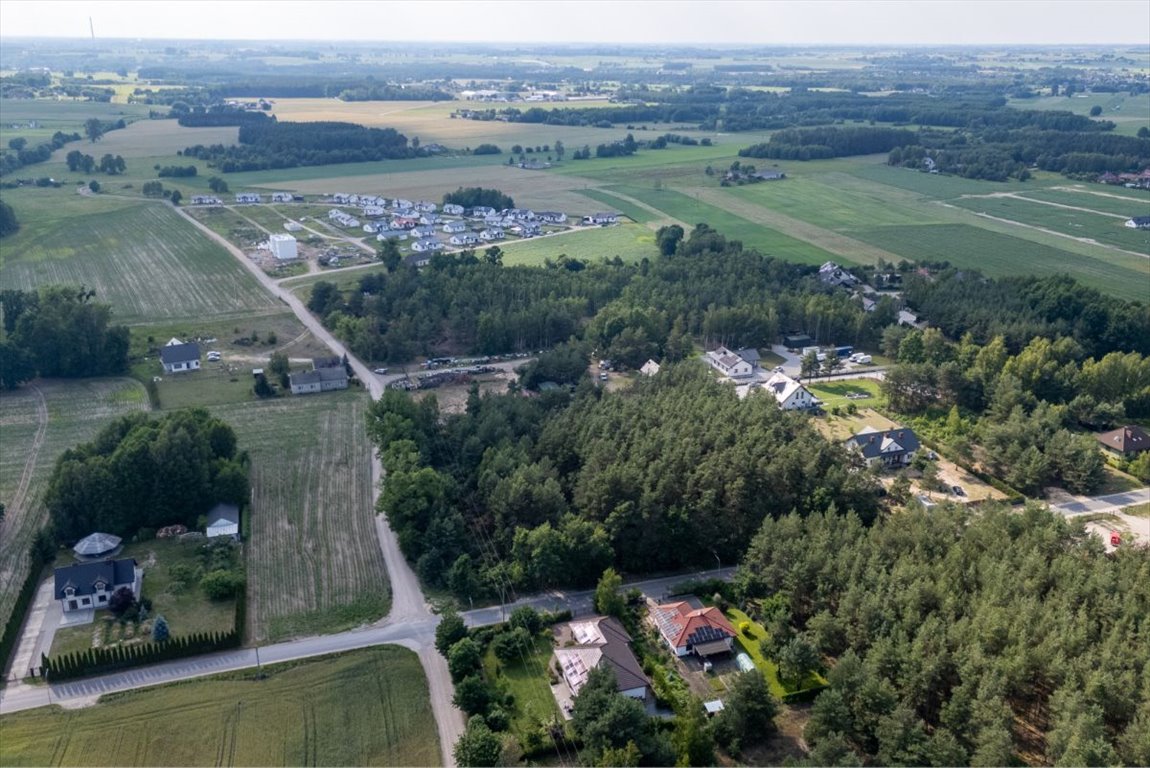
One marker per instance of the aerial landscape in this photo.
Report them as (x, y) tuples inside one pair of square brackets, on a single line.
[(631, 384)]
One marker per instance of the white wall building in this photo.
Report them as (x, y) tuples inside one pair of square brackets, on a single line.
[(283, 247)]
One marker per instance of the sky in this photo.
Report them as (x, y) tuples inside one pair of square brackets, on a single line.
[(762, 22)]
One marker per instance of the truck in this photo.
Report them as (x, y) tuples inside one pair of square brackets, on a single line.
[(844, 351)]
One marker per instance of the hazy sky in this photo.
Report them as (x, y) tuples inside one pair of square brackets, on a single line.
[(876, 22)]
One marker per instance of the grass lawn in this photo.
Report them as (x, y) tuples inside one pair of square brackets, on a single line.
[(749, 642), (1100, 225), (839, 428), (311, 504), (630, 242), (172, 570), (1117, 482), (33, 433), (527, 680), (1138, 510), (834, 393), (368, 707), (636, 213)]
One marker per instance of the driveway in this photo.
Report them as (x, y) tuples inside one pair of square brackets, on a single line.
[(39, 629)]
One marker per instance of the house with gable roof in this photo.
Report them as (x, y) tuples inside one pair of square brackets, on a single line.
[(178, 357), (789, 393), (1125, 442), (91, 585), (687, 630), (595, 642), (892, 447), (731, 364)]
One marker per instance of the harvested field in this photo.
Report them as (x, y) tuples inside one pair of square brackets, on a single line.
[(37, 423), (630, 242), (368, 707), (143, 259), (157, 138), (313, 559)]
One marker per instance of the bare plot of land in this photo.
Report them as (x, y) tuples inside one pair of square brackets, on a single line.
[(36, 425), (154, 138), (314, 562), (144, 260)]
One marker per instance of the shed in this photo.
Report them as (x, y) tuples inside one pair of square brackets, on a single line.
[(224, 520)]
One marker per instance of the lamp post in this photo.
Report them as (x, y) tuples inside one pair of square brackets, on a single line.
[(718, 563)]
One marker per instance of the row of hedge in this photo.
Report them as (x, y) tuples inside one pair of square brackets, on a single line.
[(40, 556), (96, 661)]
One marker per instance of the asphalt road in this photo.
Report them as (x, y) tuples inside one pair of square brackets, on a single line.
[(1090, 505)]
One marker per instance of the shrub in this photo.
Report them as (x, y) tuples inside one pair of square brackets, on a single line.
[(222, 584)]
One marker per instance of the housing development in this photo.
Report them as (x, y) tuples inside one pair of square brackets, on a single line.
[(580, 403)]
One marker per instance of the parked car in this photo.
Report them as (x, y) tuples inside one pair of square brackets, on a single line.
[(213, 357), (957, 490), (381, 371), (603, 377)]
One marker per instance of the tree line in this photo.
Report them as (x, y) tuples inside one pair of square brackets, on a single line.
[(141, 472), (830, 141), (59, 331), (471, 197), (957, 637)]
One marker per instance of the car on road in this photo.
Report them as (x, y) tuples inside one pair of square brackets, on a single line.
[(957, 490), (381, 371)]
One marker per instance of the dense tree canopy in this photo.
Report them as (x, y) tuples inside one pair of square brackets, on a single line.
[(8, 223), (142, 472), (470, 197), (956, 632)]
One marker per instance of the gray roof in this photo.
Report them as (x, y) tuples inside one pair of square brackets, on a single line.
[(326, 362), (750, 355), (180, 353), (96, 544), (617, 651), (318, 375), (885, 443), (224, 512), (82, 577)]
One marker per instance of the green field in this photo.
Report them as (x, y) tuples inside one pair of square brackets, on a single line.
[(1126, 203), (834, 393), (33, 433), (144, 259), (313, 559), (692, 211), (526, 679), (967, 246), (630, 242), (52, 116), (1102, 227), (636, 213), (368, 707)]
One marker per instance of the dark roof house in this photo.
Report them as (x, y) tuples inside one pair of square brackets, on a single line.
[(892, 446), (90, 585), (596, 642), (180, 357), (1126, 441)]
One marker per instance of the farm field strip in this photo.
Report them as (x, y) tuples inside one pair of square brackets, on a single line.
[(692, 209), (367, 707), (845, 247), (76, 411), (1126, 206), (312, 555), (144, 260), (637, 211), (630, 242)]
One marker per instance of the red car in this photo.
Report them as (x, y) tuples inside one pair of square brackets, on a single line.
[(1115, 538)]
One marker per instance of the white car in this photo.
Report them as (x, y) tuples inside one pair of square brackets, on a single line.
[(213, 357), (381, 371)]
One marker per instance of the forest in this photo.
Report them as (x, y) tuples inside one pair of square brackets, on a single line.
[(960, 638), (59, 331), (821, 143), (142, 472), (471, 197), (707, 287), (549, 491), (265, 144)]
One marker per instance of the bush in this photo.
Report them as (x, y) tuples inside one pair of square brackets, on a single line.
[(487, 149), (512, 644), (222, 584)]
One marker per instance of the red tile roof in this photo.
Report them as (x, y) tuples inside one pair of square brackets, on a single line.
[(679, 621)]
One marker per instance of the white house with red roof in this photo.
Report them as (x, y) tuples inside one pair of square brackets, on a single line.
[(701, 631)]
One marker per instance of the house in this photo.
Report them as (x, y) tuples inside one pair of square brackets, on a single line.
[(91, 585), (465, 238), (833, 275), (402, 205), (423, 206), (491, 233), (423, 231), (426, 245), (429, 219), (650, 368), (417, 260), (451, 209), (283, 247), (281, 197), (224, 520), (493, 220), (479, 211), (1125, 442), (701, 631), (601, 641), (178, 357), (528, 229), (1139, 222), (331, 361), (391, 234), (374, 211), (729, 363), (790, 394), (318, 380), (601, 219), (552, 217), (97, 546), (293, 226), (404, 222), (247, 197), (206, 200), (769, 175), (892, 447), (454, 227)]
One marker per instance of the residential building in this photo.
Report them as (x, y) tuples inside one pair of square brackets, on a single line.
[(465, 238), (552, 217), (601, 641), (451, 209), (281, 197), (650, 368), (701, 631), (247, 197), (91, 585), (602, 219), (729, 363), (374, 211), (224, 520), (1125, 442), (480, 211), (834, 275), (206, 200), (426, 245), (391, 234), (283, 247), (1139, 222), (178, 357), (423, 231), (318, 380), (293, 226), (890, 447), (417, 260), (491, 233), (454, 227), (789, 394)]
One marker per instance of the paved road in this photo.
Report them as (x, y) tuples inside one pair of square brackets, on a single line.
[(1090, 505), (416, 633)]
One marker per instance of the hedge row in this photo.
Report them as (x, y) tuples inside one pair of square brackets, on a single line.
[(95, 661)]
